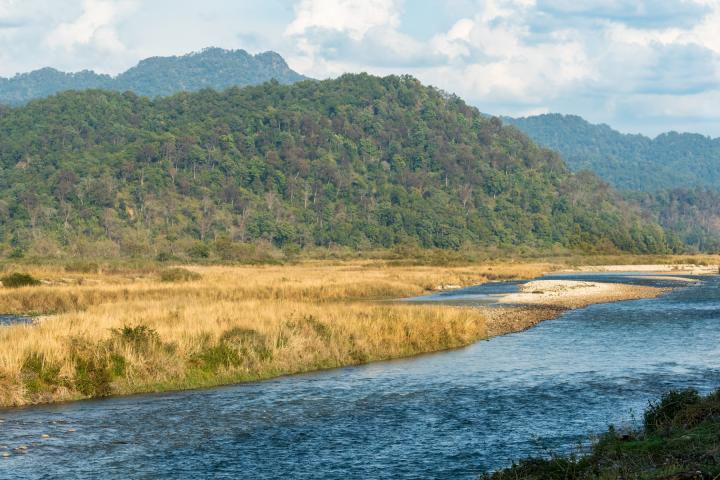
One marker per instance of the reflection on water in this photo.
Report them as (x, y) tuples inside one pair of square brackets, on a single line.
[(444, 415)]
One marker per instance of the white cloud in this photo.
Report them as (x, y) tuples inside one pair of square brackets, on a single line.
[(95, 26), (596, 58), (355, 17), (519, 56)]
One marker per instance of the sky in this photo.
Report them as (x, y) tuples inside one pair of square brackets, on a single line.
[(640, 66)]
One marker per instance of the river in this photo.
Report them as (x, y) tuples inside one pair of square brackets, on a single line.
[(445, 415)]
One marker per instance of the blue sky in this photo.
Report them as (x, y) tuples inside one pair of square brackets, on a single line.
[(640, 66)]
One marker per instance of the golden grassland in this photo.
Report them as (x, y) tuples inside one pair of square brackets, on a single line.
[(126, 331), (129, 332)]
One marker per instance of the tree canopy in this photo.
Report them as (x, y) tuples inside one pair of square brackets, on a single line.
[(360, 161), (628, 162)]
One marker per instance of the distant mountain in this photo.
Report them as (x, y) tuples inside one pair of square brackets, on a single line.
[(359, 161), (158, 76), (628, 162), (674, 177)]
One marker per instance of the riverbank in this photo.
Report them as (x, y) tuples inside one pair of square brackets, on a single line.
[(129, 332), (679, 440), (577, 294)]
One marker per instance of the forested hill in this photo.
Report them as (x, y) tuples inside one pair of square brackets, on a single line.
[(211, 68), (628, 162), (359, 161)]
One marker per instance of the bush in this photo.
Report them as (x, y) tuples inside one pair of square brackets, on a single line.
[(178, 275), (199, 250), (141, 337), (660, 416), (213, 358), (82, 267), (40, 375), (17, 280), (248, 342), (92, 377), (163, 257)]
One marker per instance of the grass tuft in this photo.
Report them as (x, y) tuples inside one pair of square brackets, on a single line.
[(17, 280), (179, 275)]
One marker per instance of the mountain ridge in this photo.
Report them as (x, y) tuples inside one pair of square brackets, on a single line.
[(156, 76), (677, 160), (359, 161)]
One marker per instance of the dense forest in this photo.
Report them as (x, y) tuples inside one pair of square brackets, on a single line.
[(360, 161), (628, 162), (675, 177), (211, 68), (692, 214)]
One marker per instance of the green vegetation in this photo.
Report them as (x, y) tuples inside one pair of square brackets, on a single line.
[(692, 214), (211, 68), (17, 280), (359, 162), (178, 275), (628, 162), (674, 177), (680, 439)]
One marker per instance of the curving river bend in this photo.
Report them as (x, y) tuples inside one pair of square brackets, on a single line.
[(445, 415)]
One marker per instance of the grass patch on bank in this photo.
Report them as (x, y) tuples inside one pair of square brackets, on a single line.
[(679, 440), (18, 280), (110, 332)]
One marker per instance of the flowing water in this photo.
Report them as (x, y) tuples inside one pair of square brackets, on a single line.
[(445, 415), (13, 320)]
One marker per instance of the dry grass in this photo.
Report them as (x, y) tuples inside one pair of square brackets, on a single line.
[(129, 332)]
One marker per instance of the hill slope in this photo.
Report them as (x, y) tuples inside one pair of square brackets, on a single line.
[(676, 177), (359, 161), (692, 214), (628, 162), (211, 68)]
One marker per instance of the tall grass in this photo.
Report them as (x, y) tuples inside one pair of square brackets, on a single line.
[(120, 331), (126, 332)]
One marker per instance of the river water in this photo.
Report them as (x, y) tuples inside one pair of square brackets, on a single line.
[(13, 320), (445, 415)]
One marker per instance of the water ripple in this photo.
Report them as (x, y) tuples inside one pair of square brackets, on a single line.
[(449, 415)]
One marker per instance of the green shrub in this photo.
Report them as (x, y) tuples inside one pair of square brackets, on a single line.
[(17, 280), (539, 469), (141, 337), (247, 342), (199, 250), (163, 257), (93, 377), (39, 375), (82, 267), (660, 416), (118, 365), (215, 357), (178, 275), (680, 440)]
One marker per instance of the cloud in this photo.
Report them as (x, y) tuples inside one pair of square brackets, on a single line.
[(94, 27), (518, 56), (328, 31), (354, 17), (596, 58), (640, 13)]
